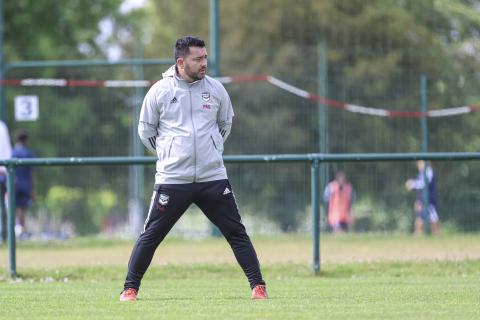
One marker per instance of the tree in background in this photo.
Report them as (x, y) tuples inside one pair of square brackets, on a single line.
[(376, 52), (73, 121)]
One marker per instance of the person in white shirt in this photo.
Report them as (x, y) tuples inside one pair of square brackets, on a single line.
[(5, 153)]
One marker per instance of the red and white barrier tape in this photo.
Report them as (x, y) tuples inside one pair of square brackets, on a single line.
[(252, 78), (76, 83), (371, 111)]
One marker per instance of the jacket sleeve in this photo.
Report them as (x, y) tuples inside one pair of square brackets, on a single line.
[(225, 113), (148, 120), (419, 182)]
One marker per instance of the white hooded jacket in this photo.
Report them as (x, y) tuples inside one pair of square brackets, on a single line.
[(5, 146), (185, 125)]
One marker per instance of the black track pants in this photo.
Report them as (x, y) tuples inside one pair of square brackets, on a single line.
[(169, 202)]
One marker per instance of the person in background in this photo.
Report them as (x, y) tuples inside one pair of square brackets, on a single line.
[(5, 153), (185, 119), (338, 198), (425, 175), (23, 183)]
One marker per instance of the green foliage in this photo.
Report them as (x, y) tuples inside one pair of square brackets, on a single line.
[(65, 203), (460, 211), (72, 122), (51, 29), (86, 210), (61, 201), (285, 209), (376, 52), (101, 203), (371, 215)]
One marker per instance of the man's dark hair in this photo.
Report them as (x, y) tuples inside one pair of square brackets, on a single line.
[(182, 46), (22, 136)]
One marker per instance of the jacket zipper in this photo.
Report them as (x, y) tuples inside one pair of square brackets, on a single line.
[(194, 139)]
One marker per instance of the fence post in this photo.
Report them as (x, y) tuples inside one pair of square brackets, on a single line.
[(214, 37), (214, 60), (424, 109), (323, 138), (424, 125), (315, 215), (11, 219)]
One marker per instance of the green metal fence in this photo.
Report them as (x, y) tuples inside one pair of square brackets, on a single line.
[(314, 159), (101, 122)]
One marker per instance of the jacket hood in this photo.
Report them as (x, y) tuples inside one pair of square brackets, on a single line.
[(170, 72)]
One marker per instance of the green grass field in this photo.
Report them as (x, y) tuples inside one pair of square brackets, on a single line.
[(362, 277)]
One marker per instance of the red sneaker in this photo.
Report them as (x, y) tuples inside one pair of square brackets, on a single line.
[(259, 292), (129, 294)]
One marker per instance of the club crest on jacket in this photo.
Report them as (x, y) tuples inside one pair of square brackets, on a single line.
[(206, 96)]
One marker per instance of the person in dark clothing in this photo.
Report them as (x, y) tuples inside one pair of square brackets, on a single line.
[(425, 181), (23, 182)]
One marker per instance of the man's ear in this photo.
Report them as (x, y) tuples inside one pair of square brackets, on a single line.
[(180, 63)]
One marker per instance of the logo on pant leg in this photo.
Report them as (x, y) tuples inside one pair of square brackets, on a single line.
[(163, 199), (226, 191)]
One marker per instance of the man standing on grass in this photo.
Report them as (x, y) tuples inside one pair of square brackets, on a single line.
[(23, 184), (185, 119)]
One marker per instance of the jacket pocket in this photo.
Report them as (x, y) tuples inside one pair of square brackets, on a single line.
[(170, 147), (217, 143), (212, 155), (165, 147)]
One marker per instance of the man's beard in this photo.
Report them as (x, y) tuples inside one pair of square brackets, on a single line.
[(194, 75)]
